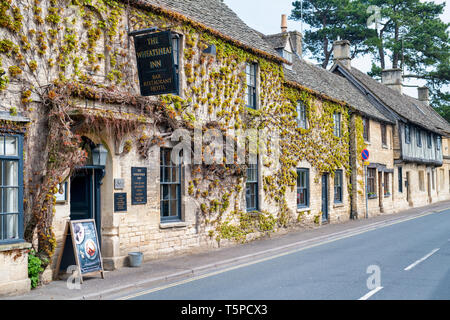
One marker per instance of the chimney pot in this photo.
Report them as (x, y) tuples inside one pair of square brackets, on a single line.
[(283, 23)]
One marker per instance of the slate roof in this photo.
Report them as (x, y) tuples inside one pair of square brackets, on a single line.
[(215, 15), (278, 40), (407, 107), (334, 86)]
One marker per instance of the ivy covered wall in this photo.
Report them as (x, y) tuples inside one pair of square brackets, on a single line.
[(56, 52)]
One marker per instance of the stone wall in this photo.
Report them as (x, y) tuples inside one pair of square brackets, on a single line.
[(14, 269)]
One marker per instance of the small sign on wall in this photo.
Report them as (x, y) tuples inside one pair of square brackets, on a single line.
[(138, 185), (120, 202), (119, 184)]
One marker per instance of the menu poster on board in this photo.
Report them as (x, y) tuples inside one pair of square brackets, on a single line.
[(86, 245), (82, 236), (138, 185)]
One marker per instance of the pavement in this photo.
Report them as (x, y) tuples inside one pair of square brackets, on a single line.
[(164, 272)]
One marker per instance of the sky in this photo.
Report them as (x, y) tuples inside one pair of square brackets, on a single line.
[(265, 16)]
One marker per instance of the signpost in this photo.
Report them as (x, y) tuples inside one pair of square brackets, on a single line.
[(365, 156), (86, 249), (156, 69)]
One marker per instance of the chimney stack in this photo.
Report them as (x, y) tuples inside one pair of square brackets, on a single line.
[(392, 78), (283, 23), (341, 53), (296, 40), (423, 94)]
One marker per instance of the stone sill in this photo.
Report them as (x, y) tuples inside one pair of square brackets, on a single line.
[(15, 246), (170, 225), (338, 205), (303, 209)]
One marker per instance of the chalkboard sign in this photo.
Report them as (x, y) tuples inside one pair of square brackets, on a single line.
[(138, 185), (120, 202), (83, 235), (156, 69)]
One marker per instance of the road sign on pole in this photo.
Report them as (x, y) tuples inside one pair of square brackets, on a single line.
[(365, 154)]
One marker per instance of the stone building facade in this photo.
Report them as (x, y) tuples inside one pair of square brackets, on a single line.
[(69, 91)]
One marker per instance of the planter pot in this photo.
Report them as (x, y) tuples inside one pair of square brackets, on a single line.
[(135, 259)]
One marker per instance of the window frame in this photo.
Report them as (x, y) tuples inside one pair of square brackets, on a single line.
[(337, 124), (19, 159), (366, 129), (383, 134), (254, 183), (338, 189), (371, 182), (438, 143), (163, 183), (302, 119), (400, 179), (407, 134), (386, 184), (253, 66), (306, 188), (429, 140), (418, 137)]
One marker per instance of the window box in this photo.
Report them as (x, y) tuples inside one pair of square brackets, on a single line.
[(371, 195)]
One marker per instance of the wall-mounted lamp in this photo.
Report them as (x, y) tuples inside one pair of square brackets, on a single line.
[(99, 155)]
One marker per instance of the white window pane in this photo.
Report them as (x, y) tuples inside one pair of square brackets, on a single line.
[(11, 173), (11, 199), (12, 226), (10, 146), (2, 145)]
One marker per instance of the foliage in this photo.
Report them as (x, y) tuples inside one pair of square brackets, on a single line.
[(410, 34), (34, 268), (330, 20)]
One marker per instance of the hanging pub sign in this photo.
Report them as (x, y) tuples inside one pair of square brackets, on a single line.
[(156, 69)]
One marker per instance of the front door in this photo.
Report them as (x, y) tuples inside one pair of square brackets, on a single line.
[(81, 197), (325, 197), (429, 187), (408, 189), (380, 190), (85, 195)]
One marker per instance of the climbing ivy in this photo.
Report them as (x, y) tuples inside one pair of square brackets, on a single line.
[(78, 49)]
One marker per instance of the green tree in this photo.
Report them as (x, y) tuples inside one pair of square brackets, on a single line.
[(329, 20), (413, 37), (410, 35)]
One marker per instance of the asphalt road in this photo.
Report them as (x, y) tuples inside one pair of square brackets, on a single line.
[(410, 259)]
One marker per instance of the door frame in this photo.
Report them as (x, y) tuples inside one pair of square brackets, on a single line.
[(97, 174), (325, 198)]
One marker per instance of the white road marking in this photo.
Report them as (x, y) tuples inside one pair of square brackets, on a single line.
[(421, 260), (370, 293)]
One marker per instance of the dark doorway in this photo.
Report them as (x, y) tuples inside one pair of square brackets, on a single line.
[(408, 189), (81, 198), (325, 197), (85, 195), (380, 190)]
